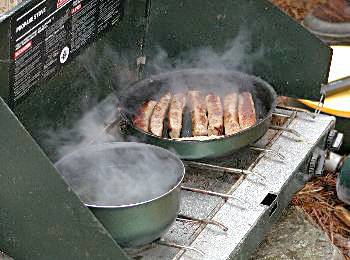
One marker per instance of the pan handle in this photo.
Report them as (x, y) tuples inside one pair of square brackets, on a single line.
[(123, 115), (123, 121)]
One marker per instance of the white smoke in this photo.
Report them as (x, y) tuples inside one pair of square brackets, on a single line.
[(120, 173), (114, 178)]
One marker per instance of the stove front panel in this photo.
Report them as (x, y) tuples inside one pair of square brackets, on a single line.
[(258, 198), (265, 201)]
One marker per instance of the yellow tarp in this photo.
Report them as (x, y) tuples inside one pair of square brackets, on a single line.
[(337, 104)]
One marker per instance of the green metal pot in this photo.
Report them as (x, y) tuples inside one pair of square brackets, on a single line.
[(140, 224), (130, 224), (208, 80)]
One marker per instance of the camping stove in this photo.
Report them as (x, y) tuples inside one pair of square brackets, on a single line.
[(229, 204), (59, 57)]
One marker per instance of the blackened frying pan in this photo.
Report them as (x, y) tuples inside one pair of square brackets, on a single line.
[(219, 82)]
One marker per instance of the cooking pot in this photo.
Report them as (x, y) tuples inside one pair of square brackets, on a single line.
[(132, 188)]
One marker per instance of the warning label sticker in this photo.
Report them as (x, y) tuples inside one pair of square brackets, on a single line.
[(46, 34)]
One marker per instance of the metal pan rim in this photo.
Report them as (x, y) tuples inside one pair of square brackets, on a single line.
[(112, 145)]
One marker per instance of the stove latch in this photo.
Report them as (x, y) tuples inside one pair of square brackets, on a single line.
[(334, 140)]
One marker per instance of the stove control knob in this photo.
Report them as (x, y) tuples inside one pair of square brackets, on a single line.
[(334, 140), (317, 163)]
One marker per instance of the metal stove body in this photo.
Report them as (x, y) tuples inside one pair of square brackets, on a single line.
[(212, 227)]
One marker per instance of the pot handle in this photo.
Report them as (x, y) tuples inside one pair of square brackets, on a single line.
[(123, 121), (122, 114)]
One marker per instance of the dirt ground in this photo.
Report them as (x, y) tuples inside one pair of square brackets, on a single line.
[(298, 9), (6, 5)]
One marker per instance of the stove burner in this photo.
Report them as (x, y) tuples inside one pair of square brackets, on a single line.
[(201, 221)]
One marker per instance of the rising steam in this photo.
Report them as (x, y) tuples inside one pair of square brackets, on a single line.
[(238, 54), (134, 176), (120, 174)]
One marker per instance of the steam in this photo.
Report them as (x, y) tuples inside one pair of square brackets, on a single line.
[(91, 129), (120, 174), (103, 70), (238, 54), (127, 176)]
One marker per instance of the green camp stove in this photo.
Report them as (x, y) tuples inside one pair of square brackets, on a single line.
[(59, 59)]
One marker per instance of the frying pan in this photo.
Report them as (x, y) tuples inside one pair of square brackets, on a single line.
[(215, 81), (140, 216)]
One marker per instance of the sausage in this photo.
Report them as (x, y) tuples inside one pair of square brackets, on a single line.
[(159, 113), (231, 122), (143, 115), (246, 110), (176, 110), (215, 115), (198, 114)]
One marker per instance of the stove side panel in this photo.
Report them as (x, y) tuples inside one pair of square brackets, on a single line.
[(40, 216), (249, 35)]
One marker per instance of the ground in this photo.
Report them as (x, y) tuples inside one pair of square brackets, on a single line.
[(294, 237)]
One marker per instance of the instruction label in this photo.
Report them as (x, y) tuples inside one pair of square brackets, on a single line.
[(46, 34)]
